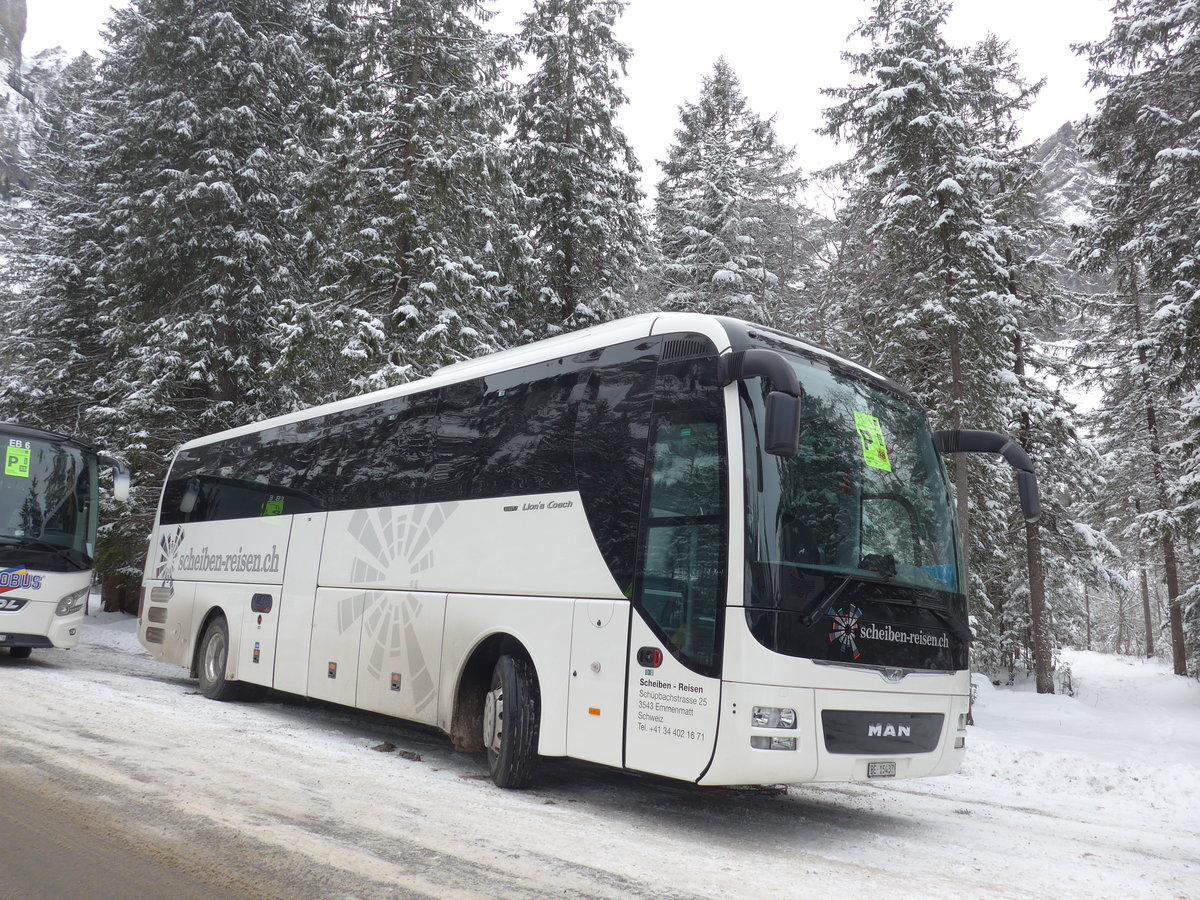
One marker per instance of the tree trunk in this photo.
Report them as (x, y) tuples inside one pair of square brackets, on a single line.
[(1043, 658), (1087, 606), (1170, 565), (1137, 505), (960, 462)]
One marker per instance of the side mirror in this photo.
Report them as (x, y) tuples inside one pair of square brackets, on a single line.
[(191, 494), (120, 476), (121, 485), (782, 427), (966, 441), (782, 436)]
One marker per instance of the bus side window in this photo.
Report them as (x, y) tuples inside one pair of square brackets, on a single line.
[(386, 453), (681, 584), (611, 435), (684, 552), (457, 454)]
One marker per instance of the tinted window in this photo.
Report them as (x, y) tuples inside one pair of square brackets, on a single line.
[(510, 434), (527, 432), (386, 452), (610, 451), (461, 444), (683, 567)]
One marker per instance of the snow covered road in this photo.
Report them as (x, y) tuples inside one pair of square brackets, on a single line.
[(1096, 795)]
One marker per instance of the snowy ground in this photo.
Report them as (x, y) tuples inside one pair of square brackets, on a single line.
[(1096, 795)]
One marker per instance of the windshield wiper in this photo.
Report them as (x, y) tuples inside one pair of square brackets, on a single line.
[(960, 631), (32, 543), (75, 557), (809, 612)]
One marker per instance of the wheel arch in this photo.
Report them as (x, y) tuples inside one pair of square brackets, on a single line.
[(473, 682), (215, 612)]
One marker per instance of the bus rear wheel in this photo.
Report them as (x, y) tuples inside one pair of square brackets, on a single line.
[(20, 652), (214, 661), (510, 723)]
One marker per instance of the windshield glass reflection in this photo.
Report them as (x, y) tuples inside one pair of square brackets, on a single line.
[(48, 503), (864, 497)]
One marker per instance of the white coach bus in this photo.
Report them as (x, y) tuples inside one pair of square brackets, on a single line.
[(49, 502), (675, 543)]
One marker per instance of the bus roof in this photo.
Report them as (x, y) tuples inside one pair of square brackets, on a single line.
[(725, 333)]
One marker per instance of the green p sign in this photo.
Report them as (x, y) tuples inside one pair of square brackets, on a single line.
[(16, 461)]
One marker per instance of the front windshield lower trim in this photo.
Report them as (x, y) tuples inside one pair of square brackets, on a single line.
[(890, 674)]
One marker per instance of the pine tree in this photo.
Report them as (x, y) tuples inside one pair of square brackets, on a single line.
[(173, 249), (1146, 137), (53, 338), (929, 292), (430, 256), (575, 165), (939, 278), (726, 213)]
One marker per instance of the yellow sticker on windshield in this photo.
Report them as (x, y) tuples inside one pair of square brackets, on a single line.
[(874, 447), (16, 461)]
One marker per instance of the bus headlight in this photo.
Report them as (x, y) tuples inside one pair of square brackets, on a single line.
[(772, 717), (73, 602), (762, 742)]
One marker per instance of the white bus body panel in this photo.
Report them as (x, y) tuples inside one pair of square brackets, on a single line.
[(672, 714), (40, 592), (297, 598), (595, 719), (206, 565), (756, 676), (543, 627), (540, 545), (399, 661), (334, 650)]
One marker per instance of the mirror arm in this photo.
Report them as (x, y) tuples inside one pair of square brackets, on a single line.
[(967, 441), (111, 461), (758, 362)]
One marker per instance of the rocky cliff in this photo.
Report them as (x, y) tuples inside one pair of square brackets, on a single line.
[(12, 32), (14, 106)]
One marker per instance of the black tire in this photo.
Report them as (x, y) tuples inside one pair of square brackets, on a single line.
[(213, 662), (20, 652), (511, 712)]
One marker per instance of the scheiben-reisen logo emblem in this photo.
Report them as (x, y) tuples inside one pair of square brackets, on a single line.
[(168, 550), (843, 630)]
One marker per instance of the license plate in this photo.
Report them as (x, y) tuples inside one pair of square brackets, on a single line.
[(881, 770)]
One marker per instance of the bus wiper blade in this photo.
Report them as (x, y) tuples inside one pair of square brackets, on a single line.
[(960, 631), (75, 557), (33, 543), (808, 613)]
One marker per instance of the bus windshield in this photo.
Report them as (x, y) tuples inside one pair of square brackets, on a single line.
[(48, 504), (865, 498)]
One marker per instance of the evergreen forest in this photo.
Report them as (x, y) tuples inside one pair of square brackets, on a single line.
[(243, 209)]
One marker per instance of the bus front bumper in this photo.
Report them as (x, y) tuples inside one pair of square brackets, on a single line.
[(837, 736), (36, 626)]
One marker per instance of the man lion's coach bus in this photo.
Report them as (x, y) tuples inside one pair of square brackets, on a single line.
[(49, 502), (674, 543)]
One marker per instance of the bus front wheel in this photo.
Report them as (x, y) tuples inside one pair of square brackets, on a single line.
[(510, 722), (214, 660)]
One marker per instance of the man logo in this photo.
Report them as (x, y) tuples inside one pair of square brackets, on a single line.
[(887, 729)]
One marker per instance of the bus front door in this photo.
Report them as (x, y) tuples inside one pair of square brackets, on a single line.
[(674, 689)]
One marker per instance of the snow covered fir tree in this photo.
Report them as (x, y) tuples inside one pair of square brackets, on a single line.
[(246, 209), (726, 212)]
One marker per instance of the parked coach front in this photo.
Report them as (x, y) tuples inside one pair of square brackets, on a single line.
[(49, 503)]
